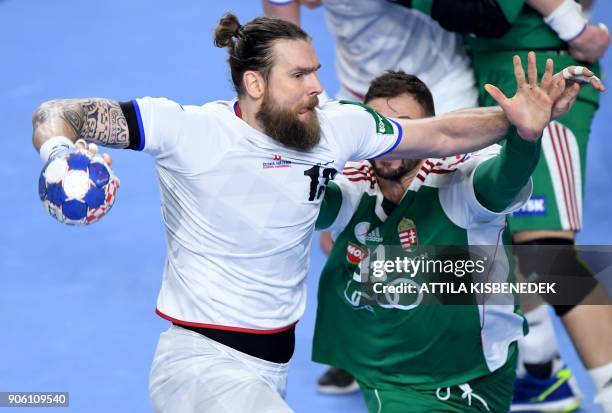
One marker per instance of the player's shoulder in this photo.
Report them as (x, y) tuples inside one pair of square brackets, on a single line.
[(166, 104), (333, 110), (210, 117), (341, 106), (345, 114), (222, 108)]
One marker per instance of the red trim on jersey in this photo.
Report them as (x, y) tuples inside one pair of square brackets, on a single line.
[(435, 171), (371, 180), (570, 183), (368, 177), (362, 167), (356, 172), (219, 327), (573, 179), (566, 163), (562, 175), (442, 171), (362, 178), (237, 110)]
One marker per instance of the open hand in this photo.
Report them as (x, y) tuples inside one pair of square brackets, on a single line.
[(530, 109)]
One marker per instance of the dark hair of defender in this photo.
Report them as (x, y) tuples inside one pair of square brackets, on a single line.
[(250, 46), (395, 83)]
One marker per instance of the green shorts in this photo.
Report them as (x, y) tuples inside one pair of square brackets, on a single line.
[(558, 181), (491, 393)]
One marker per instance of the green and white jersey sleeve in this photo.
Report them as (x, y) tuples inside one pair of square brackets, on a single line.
[(358, 131), (458, 196), (343, 195)]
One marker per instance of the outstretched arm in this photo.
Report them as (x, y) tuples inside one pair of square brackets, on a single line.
[(100, 121), (498, 181), (529, 110), (461, 131)]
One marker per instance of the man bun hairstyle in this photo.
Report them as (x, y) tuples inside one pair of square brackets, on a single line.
[(395, 83), (226, 30), (250, 46)]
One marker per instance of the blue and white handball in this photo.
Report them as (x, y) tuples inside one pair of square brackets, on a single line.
[(77, 187)]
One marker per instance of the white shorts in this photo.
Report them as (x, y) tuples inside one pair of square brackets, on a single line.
[(192, 373)]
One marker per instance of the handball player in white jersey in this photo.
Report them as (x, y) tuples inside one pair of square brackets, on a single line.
[(373, 36), (241, 184)]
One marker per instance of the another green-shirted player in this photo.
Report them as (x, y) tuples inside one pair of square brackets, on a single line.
[(553, 214), (455, 358), (557, 29), (558, 182)]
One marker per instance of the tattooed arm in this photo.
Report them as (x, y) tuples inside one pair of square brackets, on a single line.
[(100, 121)]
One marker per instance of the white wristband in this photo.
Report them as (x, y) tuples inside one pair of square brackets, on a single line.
[(567, 20), (53, 146)]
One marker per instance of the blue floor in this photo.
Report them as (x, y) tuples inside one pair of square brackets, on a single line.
[(77, 304)]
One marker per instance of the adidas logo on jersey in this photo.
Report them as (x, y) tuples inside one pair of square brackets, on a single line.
[(374, 236), (536, 205)]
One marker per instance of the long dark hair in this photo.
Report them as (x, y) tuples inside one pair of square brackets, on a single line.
[(250, 46)]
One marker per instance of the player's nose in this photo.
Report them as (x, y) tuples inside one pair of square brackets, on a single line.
[(314, 86)]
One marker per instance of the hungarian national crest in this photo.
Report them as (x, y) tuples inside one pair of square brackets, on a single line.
[(408, 235)]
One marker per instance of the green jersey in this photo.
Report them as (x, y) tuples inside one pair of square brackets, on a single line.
[(397, 343), (492, 56), (528, 31)]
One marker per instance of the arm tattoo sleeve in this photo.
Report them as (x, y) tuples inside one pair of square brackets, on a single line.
[(96, 120)]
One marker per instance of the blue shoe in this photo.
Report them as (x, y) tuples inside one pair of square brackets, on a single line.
[(556, 394)]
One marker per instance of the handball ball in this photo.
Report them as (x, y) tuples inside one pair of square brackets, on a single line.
[(77, 188)]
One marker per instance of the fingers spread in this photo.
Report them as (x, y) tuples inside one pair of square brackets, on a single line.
[(548, 76), (532, 69), (496, 94), (519, 73)]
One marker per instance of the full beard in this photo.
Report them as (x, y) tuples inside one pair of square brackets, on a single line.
[(394, 174), (285, 127)]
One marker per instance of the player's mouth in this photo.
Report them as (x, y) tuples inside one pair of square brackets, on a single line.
[(305, 113), (309, 108)]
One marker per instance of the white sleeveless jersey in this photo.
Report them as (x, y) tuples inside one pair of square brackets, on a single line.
[(239, 208), (375, 35)]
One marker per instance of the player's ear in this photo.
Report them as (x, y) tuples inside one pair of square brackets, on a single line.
[(254, 84)]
